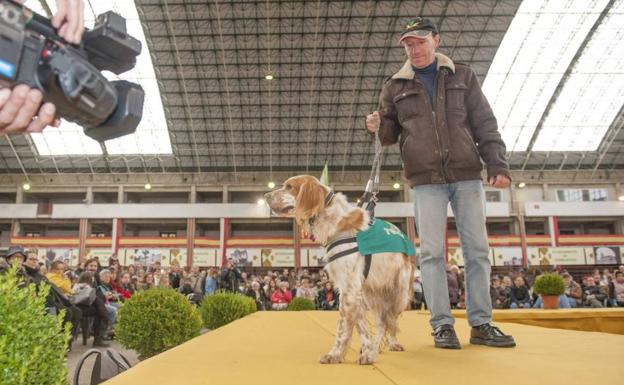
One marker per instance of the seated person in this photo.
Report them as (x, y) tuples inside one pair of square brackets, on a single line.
[(328, 297), (497, 294), (257, 293), (519, 294), (56, 275), (281, 297), (305, 291), (618, 288), (593, 295)]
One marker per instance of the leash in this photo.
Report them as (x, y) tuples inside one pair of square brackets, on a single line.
[(368, 200)]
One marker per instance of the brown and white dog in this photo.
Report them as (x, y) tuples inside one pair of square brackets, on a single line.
[(385, 292)]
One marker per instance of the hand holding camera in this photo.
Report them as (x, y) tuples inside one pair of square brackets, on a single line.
[(39, 63)]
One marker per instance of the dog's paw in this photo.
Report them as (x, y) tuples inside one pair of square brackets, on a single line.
[(331, 359), (365, 359), (396, 347)]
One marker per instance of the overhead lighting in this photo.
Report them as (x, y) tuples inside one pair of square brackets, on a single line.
[(26, 186), (151, 136), (592, 95), (521, 185), (396, 185), (261, 202), (538, 47), (148, 186), (621, 198), (269, 77), (271, 184)]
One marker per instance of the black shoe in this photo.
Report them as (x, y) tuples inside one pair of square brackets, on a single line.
[(100, 343), (444, 337), (489, 335)]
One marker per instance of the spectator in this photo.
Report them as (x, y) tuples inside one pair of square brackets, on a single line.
[(281, 297), (175, 275), (230, 277), (453, 285), (97, 309), (164, 281), (197, 280), (256, 292), (148, 281), (328, 298), (270, 288), (497, 294), (305, 291), (593, 295), (211, 281), (618, 288), (124, 287), (112, 301), (519, 294), (56, 300), (58, 278), (573, 291)]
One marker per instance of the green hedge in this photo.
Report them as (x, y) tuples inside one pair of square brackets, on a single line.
[(222, 308), (549, 284), (156, 320), (32, 343), (298, 304)]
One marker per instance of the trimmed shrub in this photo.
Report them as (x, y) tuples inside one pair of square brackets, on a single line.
[(156, 320), (222, 308), (299, 304), (549, 284), (32, 342)]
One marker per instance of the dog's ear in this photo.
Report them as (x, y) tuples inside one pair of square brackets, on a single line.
[(354, 220), (309, 201)]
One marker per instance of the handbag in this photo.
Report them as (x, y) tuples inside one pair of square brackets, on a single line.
[(83, 297)]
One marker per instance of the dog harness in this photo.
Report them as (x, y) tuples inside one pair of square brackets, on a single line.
[(380, 237)]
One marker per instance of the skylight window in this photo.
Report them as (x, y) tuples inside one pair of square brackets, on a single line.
[(593, 94), (151, 136), (537, 49)]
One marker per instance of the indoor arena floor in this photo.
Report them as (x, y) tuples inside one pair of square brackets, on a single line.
[(270, 348)]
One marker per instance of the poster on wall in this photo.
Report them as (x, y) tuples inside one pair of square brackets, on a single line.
[(277, 257), (507, 256), (102, 255), (547, 256), (313, 257), (244, 257), (455, 256), (206, 257), (178, 256), (605, 255), (145, 257)]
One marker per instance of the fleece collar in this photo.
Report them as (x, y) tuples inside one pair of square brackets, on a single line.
[(406, 72)]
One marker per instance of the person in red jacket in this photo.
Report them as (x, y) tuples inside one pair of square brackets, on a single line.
[(282, 297), (124, 287)]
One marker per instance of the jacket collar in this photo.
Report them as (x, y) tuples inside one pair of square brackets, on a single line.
[(406, 72)]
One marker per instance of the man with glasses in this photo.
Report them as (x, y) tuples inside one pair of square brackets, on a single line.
[(435, 109)]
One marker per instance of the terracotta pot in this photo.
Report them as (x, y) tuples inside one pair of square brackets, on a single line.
[(550, 301)]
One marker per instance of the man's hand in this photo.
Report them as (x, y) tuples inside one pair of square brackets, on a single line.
[(21, 110), (69, 20), (372, 122), (500, 181)]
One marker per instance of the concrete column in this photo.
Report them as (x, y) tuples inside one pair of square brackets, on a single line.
[(121, 195), (89, 195)]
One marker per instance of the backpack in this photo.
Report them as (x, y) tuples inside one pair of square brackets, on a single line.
[(108, 363)]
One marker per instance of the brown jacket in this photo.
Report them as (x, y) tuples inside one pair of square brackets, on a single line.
[(448, 142)]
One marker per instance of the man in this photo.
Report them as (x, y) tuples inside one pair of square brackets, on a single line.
[(497, 294), (97, 309), (230, 277), (15, 256), (573, 290), (20, 107), (55, 300), (435, 109), (593, 294)]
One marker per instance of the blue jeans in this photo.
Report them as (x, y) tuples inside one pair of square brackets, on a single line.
[(467, 200), (564, 302)]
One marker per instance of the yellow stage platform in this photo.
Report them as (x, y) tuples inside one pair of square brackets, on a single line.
[(275, 348), (607, 320)]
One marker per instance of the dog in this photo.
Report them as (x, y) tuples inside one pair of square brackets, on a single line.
[(385, 292)]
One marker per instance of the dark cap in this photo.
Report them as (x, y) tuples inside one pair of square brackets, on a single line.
[(419, 28), (14, 250)]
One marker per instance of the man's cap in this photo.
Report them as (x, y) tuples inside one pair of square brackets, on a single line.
[(419, 28), (14, 250)]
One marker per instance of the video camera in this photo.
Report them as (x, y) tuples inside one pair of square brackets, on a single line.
[(69, 76)]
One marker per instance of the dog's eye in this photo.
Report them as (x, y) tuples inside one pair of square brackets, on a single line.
[(288, 186)]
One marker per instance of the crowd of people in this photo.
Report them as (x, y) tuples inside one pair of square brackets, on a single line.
[(96, 290), (515, 290)]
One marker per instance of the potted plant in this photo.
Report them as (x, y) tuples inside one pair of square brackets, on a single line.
[(549, 286)]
